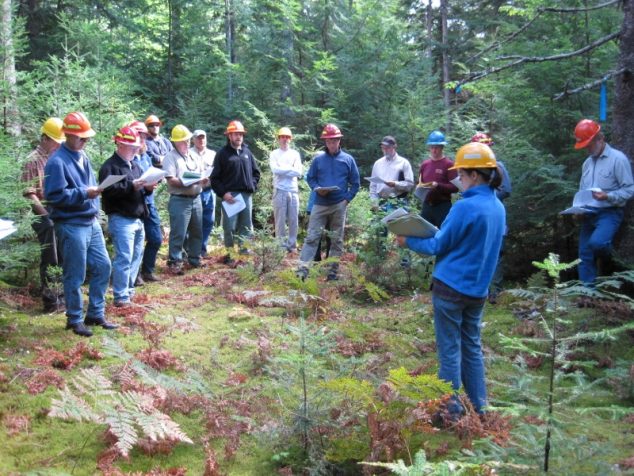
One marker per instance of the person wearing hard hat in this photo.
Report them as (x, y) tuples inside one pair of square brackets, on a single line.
[(152, 222), (235, 178), (436, 173), (124, 203), (185, 182), (502, 192), (72, 194), (51, 136), (158, 146), (466, 249), (208, 198), (333, 174), (608, 173), (286, 166)]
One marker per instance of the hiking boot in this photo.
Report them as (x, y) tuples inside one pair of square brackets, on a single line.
[(80, 329), (91, 321), (122, 303), (150, 277), (302, 273), (177, 269), (228, 260), (333, 272), (138, 282)]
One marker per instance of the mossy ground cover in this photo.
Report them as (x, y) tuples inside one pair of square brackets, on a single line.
[(243, 360)]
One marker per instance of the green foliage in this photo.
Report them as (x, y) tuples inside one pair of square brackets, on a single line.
[(420, 387)]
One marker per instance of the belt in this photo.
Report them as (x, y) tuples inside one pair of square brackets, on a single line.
[(184, 196)]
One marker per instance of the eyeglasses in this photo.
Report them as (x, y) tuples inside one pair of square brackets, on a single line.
[(153, 125)]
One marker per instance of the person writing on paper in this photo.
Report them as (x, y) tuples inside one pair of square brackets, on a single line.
[(395, 171), (184, 183), (33, 176), (286, 166), (207, 196), (466, 249), (72, 194), (436, 173), (609, 172), (333, 174), (152, 221), (235, 173), (124, 203)]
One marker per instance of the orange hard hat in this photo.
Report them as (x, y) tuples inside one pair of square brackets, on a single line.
[(139, 127), (235, 126), (128, 136), (331, 132), (585, 131), (152, 119), (77, 124)]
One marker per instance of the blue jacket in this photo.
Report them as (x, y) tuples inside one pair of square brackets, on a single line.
[(327, 170), (468, 244), (65, 187), (145, 162)]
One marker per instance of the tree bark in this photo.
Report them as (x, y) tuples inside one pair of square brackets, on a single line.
[(623, 122), (230, 32), (10, 121), (445, 59)]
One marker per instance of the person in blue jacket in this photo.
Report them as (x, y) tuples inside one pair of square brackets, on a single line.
[(466, 249)]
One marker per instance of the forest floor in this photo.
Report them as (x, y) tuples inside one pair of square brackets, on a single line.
[(242, 363)]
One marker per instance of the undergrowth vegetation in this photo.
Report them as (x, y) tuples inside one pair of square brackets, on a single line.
[(244, 369)]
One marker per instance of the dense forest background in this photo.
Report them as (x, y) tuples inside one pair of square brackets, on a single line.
[(524, 71)]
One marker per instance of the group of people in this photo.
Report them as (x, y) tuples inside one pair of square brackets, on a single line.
[(66, 199)]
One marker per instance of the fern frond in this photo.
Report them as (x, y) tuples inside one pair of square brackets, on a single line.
[(121, 425), (72, 407)]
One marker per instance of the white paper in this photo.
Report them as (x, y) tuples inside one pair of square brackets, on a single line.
[(190, 181), (110, 180), (6, 228), (398, 213), (237, 206), (582, 200), (576, 211), (332, 188), (152, 175), (401, 222), (421, 193), (375, 180), (458, 184)]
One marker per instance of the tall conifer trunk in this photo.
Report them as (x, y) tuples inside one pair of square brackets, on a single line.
[(10, 119)]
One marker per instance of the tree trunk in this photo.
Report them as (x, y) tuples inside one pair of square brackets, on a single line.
[(445, 59), (230, 32), (10, 118), (623, 122), (429, 26)]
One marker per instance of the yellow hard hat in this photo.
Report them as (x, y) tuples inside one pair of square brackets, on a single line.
[(180, 133), (474, 155), (52, 128), (285, 131)]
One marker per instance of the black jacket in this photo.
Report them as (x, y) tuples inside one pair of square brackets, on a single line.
[(234, 172), (121, 197)]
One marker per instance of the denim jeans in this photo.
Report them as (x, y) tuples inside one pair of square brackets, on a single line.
[(286, 212), (457, 327), (325, 216), (127, 237), (84, 247), (154, 237), (185, 222), (240, 226), (208, 199), (595, 240)]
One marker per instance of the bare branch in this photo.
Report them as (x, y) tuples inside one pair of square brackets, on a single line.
[(537, 59), (587, 86), (574, 10)]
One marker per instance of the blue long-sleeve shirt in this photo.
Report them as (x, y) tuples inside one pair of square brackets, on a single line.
[(68, 176), (504, 190), (327, 170), (468, 244)]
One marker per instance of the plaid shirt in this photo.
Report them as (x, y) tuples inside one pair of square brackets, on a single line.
[(33, 173)]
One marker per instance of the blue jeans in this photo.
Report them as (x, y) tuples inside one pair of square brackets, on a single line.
[(595, 240), (208, 199), (84, 247), (457, 326), (154, 237), (127, 237), (239, 227), (185, 222)]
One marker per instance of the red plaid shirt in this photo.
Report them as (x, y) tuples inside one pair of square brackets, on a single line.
[(33, 172)]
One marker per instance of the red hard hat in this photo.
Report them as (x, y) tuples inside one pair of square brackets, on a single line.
[(482, 138), (139, 127), (152, 119), (235, 126), (585, 131), (77, 124), (128, 136), (331, 132)]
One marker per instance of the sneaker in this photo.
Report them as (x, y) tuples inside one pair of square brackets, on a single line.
[(150, 277), (91, 321), (80, 329)]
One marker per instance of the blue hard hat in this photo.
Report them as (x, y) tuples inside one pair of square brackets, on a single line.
[(436, 138)]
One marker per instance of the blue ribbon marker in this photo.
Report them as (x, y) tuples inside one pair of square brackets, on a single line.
[(603, 102)]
